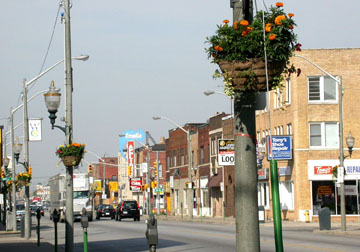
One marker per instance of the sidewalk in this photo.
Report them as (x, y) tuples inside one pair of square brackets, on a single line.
[(11, 241), (352, 229)]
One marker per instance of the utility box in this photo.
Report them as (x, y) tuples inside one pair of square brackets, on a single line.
[(324, 219), (261, 214)]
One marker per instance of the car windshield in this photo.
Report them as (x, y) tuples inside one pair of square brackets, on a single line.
[(20, 207), (81, 195), (107, 207), (130, 204), (33, 207)]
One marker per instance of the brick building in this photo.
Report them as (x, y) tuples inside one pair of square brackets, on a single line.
[(308, 110)]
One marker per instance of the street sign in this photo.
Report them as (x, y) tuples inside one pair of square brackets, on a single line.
[(135, 184), (279, 147), (226, 152)]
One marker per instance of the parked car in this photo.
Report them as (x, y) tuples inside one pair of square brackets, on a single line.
[(105, 211), (33, 209), (128, 209)]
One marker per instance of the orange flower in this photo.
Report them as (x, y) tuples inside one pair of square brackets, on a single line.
[(272, 36), (268, 27), (214, 55), (279, 4), (244, 23), (291, 27), (244, 33), (290, 15), (235, 25), (278, 19), (226, 21), (218, 48)]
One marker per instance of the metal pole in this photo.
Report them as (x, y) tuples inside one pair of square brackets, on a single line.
[(38, 232), (26, 162), (191, 196), (158, 183), (56, 239), (13, 203), (1, 163), (148, 174), (85, 240), (103, 179), (69, 234), (341, 136), (276, 206), (246, 204)]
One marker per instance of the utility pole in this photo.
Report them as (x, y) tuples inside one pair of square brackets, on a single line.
[(158, 183), (191, 196), (13, 203), (26, 163), (148, 174), (1, 163), (69, 226), (246, 204)]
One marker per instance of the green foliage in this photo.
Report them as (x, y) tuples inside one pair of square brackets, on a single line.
[(73, 149)]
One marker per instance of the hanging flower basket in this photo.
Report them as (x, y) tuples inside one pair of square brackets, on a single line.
[(250, 75), (71, 154), (23, 179), (71, 160), (240, 50)]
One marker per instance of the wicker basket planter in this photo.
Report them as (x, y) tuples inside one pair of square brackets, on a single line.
[(250, 75), (71, 160), (21, 183)]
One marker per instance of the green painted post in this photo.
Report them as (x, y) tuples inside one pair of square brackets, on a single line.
[(85, 240), (276, 206), (56, 238)]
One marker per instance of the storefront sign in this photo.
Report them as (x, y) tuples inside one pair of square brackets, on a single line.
[(226, 149), (263, 174), (325, 190), (285, 171), (279, 148), (350, 190), (131, 156), (352, 169), (323, 170), (135, 184)]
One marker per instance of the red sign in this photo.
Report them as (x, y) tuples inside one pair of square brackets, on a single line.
[(131, 156), (323, 170), (325, 190), (135, 184)]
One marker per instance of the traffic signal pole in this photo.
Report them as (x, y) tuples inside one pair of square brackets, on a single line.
[(158, 183)]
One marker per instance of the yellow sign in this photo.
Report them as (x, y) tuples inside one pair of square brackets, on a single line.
[(97, 186), (113, 186)]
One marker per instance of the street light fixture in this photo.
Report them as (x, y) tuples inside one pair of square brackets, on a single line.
[(211, 92), (350, 141), (189, 160), (52, 101), (17, 147), (6, 162)]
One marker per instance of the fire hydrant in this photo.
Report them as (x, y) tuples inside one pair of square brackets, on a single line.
[(307, 216)]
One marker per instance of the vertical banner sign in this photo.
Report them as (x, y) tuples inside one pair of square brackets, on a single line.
[(35, 130), (131, 156)]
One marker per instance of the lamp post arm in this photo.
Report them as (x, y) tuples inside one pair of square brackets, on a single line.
[(102, 160), (165, 118), (318, 67), (44, 72)]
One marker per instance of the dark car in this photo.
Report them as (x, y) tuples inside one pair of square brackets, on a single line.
[(33, 209), (128, 209), (105, 211)]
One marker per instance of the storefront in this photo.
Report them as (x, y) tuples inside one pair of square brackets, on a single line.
[(324, 190)]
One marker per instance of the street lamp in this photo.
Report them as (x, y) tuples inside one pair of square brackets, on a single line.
[(191, 199), (52, 101), (17, 147), (350, 141)]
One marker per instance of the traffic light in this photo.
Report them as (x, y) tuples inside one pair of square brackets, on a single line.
[(146, 186), (156, 173), (155, 184), (2, 174), (152, 185), (129, 171), (155, 164), (30, 171), (90, 169)]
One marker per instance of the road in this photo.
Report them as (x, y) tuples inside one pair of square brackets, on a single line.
[(127, 235)]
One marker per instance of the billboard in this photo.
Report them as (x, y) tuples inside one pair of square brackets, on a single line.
[(130, 135)]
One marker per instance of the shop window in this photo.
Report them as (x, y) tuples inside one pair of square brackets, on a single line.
[(323, 194), (205, 198), (324, 135), (177, 200), (286, 189), (351, 188), (185, 199), (263, 194)]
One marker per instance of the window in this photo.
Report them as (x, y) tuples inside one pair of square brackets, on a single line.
[(286, 190), (177, 200), (324, 134), (174, 158), (263, 194), (288, 92), (168, 162), (213, 146), (185, 199), (322, 89), (289, 129), (182, 157), (277, 99), (160, 171), (202, 158)]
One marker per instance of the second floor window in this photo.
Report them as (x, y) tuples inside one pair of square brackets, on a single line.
[(322, 89), (324, 134), (202, 158), (174, 158), (182, 157)]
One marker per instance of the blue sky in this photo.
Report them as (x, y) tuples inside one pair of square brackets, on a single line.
[(146, 58)]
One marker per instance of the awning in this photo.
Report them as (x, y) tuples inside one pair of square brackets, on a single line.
[(214, 181)]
